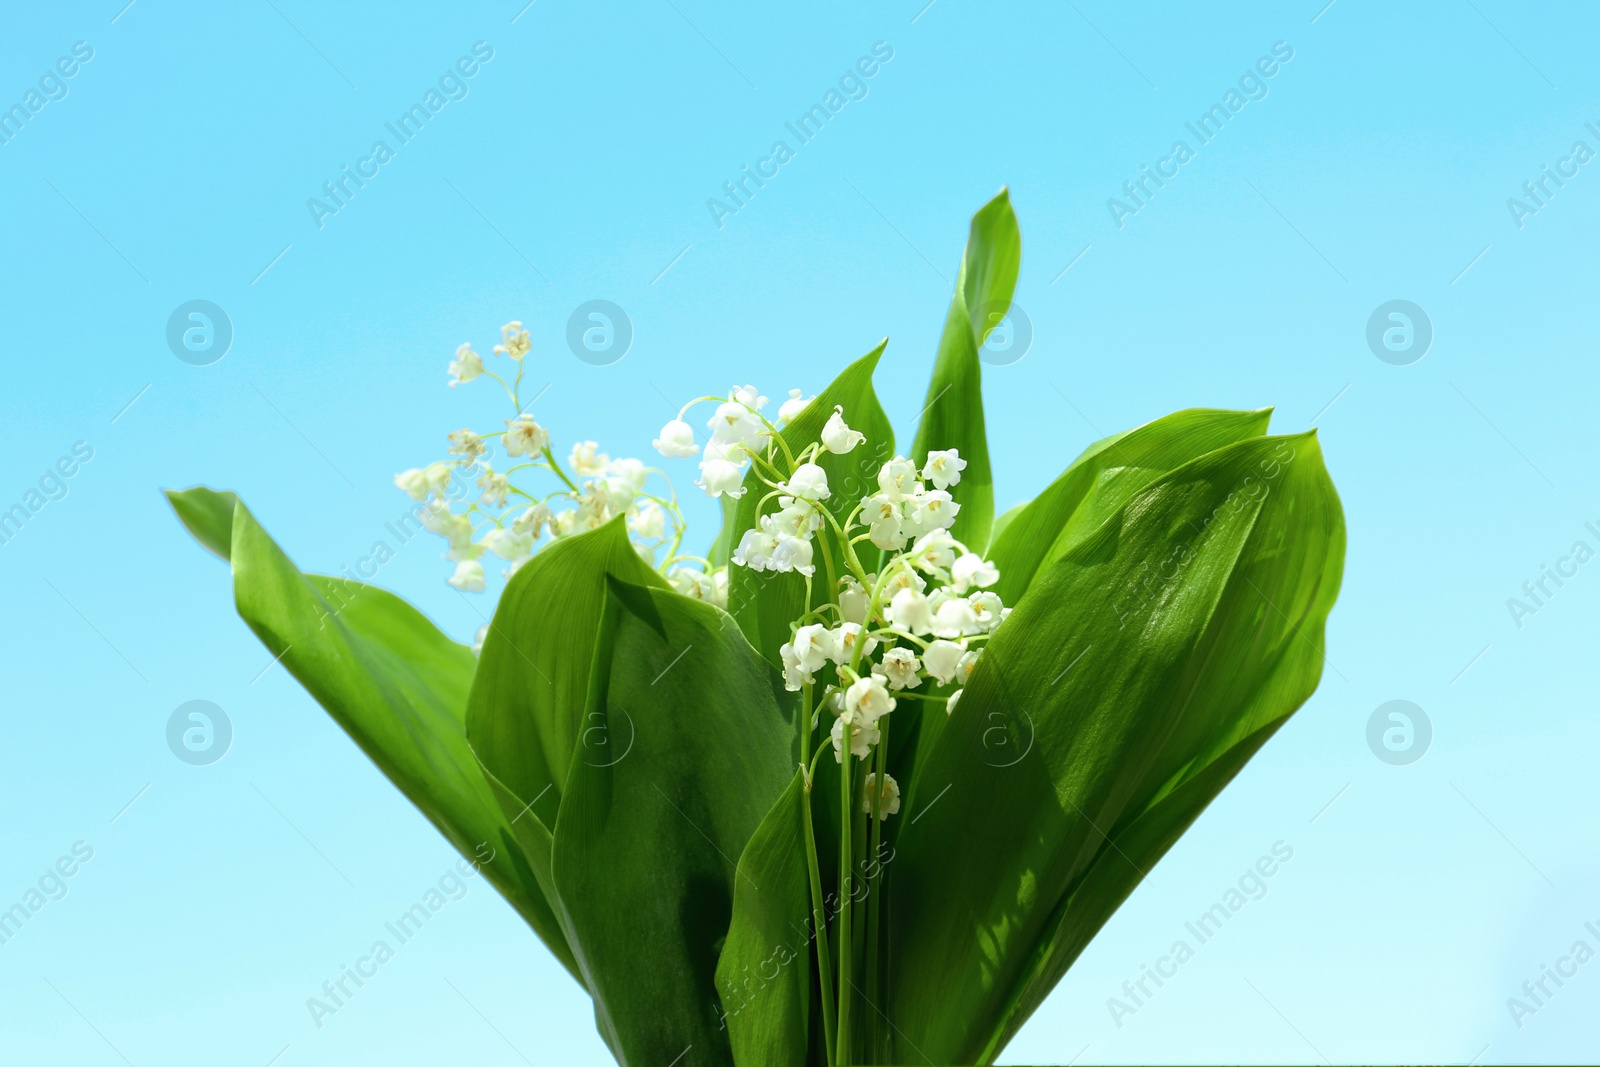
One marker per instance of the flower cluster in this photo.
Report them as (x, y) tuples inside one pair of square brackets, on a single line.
[(508, 518), (922, 616)]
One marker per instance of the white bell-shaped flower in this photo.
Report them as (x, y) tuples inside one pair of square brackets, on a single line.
[(888, 796), (625, 477), (900, 668), (793, 554), (886, 529), (950, 705), (965, 664), (524, 437), (987, 608), (898, 478), (837, 437), (910, 611), (468, 576), (940, 659), (791, 408), (971, 570), (515, 342), (466, 366), (853, 600), (734, 423), (748, 396), (944, 469), (507, 544), (676, 440), (935, 510), (649, 523), (494, 487), (862, 737), (587, 459), (755, 548), (808, 482), (466, 444), (868, 698), (844, 638), (955, 618), (811, 646)]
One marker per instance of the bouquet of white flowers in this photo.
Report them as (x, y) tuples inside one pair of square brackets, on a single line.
[(1023, 712)]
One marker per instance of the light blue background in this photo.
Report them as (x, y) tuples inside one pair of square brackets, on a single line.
[(1378, 167)]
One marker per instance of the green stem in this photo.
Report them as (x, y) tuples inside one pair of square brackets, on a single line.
[(819, 915), (842, 1058), (874, 949)]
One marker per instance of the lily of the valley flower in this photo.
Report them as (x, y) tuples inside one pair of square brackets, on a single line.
[(808, 482), (466, 366), (524, 437), (791, 408), (944, 468), (940, 658), (971, 570), (900, 668), (863, 736), (515, 342), (587, 459), (676, 440), (888, 796), (468, 576), (837, 437)]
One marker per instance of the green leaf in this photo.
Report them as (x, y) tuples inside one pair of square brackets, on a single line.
[(391, 681), (700, 740), (765, 604), (1131, 682), (1102, 479), (208, 515), (952, 415), (764, 973), (525, 711)]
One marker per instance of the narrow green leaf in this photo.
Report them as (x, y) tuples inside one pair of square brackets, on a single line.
[(764, 973), (525, 712), (391, 681), (1184, 625), (1103, 478), (765, 604), (952, 415), (700, 740)]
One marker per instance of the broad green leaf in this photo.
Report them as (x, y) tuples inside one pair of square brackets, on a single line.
[(1122, 688), (700, 741), (1103, 478), (391, 681), (952, 415), (525, 712), (764, 973), (1116, 872), (765, 604)]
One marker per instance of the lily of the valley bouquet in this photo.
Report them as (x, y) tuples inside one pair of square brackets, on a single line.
[(860, 783)]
